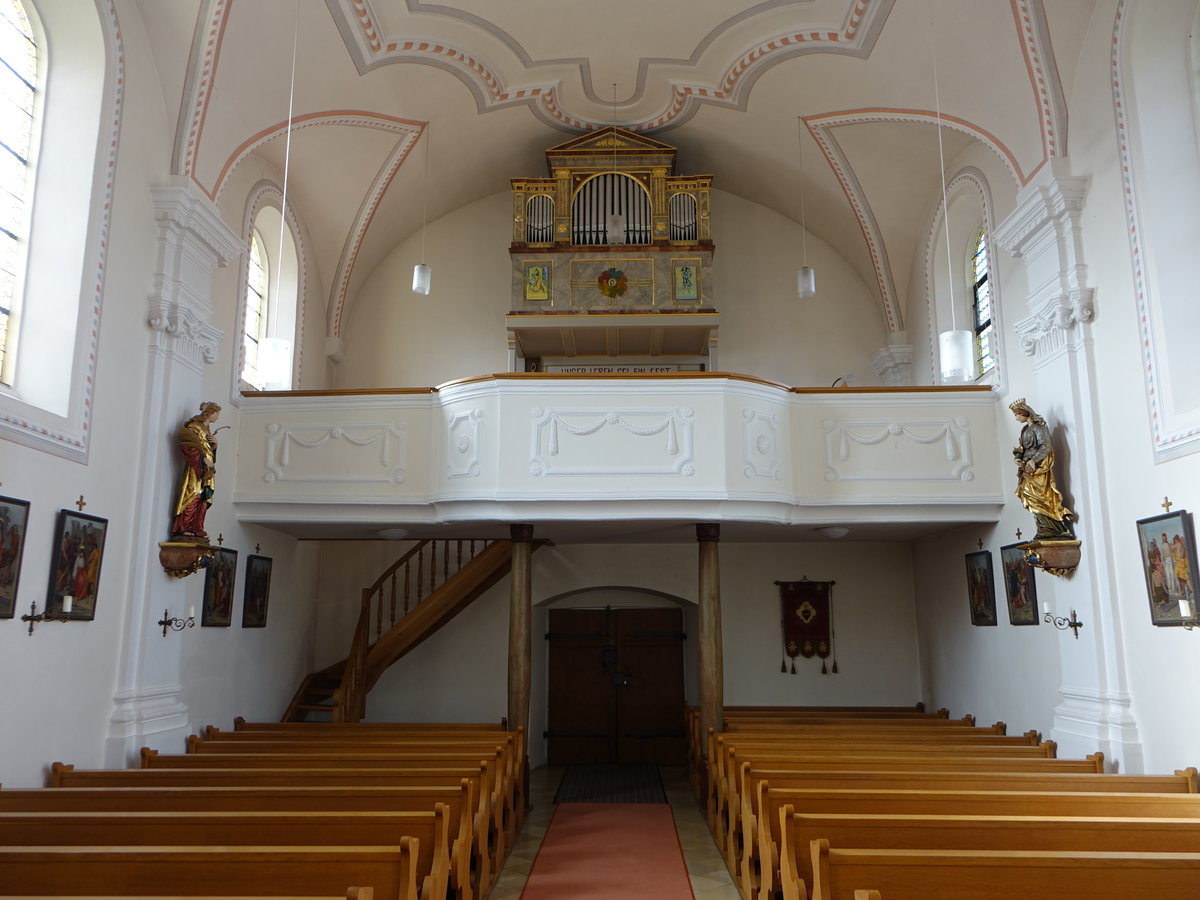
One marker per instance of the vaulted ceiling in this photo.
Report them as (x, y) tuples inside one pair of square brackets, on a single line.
[(839, 93)]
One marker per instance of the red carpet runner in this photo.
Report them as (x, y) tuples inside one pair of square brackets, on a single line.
[(610, 851)]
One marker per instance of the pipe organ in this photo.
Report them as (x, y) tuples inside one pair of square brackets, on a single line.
[(612, 260)]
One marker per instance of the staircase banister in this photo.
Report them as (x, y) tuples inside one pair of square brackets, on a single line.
[(394, 567)]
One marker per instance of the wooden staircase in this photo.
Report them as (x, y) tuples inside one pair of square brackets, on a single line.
[(410, 601)]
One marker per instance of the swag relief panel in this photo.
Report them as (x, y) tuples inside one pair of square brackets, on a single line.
[(898, 449), (335, 453), (632, 441)]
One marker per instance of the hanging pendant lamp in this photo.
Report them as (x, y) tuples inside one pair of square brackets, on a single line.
[(956, 347), (422, 274), (806, 278)]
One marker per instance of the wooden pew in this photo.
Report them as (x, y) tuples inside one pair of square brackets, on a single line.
[(216, 871), (469, 859), (737, 839), (502, 800), (759, 873), (387, 731), (973, 832), (429, 832), (725, 796), (353, 893), (487, 827), (996, 874), (511, 757), (240, 724), (696, 739)]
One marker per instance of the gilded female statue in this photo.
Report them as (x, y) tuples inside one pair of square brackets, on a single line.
[(1034, 456), (199, 447)]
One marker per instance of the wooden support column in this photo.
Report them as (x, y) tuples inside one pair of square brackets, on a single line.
[(712, 667), (520, 647)]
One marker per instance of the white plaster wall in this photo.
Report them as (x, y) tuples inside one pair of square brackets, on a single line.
[(1162, 664), (461, 672), (397, 338), (61, 680), (1014, 673)]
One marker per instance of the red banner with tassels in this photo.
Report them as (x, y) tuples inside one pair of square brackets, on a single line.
[(807, 611)]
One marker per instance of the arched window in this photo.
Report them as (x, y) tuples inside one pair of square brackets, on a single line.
[(18, 139), (981, 304), (272, 291)]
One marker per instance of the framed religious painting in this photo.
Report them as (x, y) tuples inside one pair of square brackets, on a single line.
[(1020, 589), (75, 565), (14, 521), (537, 280), (981, 588), (1168, 546), (686, 276), (219, 580), (257, 592)]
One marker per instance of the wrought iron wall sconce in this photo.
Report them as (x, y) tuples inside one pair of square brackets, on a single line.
[(33, 617), (175, 623), (1063, 624)]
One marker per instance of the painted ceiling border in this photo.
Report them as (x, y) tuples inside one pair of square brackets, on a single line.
[(363, 218), (821, 127), (856, 36)]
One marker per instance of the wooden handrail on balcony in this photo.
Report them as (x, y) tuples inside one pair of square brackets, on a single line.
[(397, 592)]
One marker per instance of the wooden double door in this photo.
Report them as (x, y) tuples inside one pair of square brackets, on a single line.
[(616, 686)]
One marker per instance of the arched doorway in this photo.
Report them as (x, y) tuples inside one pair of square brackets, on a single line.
[(616, 685)]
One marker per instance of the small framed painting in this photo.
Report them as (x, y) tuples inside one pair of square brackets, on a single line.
[(75, 568), (14, 520), (1020, 588), (1169, 561), (258, 591), (219, 579), (981, 588), (537, 280), (686, 273)]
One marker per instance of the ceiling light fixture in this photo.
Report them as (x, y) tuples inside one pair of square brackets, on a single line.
[(422, 274), (806, 278), (956, 345), (833, 532)]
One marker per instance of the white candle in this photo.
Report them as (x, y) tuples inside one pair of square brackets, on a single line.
[(191, 612), (67, 602), (1185, 609)]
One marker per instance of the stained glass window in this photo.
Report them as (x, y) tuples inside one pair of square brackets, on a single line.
[(982, 303)]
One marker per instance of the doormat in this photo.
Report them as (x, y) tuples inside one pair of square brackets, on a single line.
[(611, 784)]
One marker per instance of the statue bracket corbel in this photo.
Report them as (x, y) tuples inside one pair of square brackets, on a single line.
[(180, 559), (1057, 557)]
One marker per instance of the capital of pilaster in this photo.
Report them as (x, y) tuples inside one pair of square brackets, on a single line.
[(1043, 206), (180, 207), (1047, 330), (894, 364), (181, 330)]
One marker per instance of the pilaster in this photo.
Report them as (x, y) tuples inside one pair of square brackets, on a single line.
[(192, 243), (1045, 230)]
